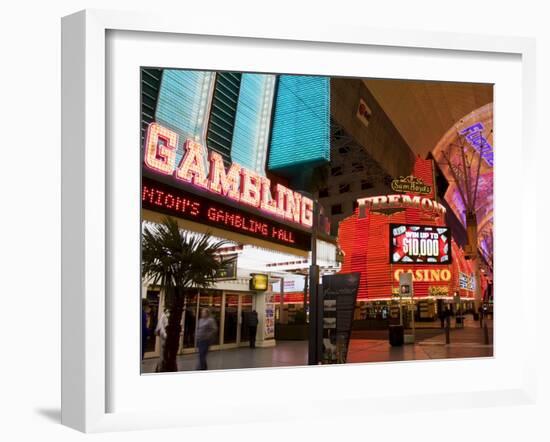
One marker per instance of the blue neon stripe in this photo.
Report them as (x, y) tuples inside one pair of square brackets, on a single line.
[(301, 123)]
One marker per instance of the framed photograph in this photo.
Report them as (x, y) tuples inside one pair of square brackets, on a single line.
[(263, 210)]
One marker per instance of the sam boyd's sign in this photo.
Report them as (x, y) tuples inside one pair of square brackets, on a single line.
[(411, 184)]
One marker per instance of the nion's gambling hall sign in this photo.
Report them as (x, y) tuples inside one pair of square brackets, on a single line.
[(179, 203)]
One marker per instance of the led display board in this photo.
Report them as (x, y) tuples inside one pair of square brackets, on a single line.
[(415, 244), (183, 204)]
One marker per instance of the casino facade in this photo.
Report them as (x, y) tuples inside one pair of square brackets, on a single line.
[(225, 153), (407, 232)]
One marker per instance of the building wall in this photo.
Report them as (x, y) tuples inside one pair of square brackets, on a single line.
[(351, 174), (379, 136), (365, 243), (275, 122)]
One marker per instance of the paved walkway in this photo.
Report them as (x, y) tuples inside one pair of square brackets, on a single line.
[(365, 346), (466, 342), (284, 354)]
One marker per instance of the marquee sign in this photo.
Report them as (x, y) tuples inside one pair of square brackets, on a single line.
[(466, 282), (182, 204), (411, 184), (237, 183)]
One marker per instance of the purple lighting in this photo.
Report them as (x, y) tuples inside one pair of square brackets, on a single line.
[(474, 136)]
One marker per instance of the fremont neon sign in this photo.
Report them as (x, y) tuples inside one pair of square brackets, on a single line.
[(401, 201), (237, 183)]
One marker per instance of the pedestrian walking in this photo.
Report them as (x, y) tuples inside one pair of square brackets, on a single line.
[(252, 327), (160, 331), (189, 328), (442, 317), (448, 315), (207, 331), (145, 331)]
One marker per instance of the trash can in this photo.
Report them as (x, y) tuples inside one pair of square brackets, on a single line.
[(396, 335), (476, 316)]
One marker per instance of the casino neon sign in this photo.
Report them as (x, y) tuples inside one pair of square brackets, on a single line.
[(237, 183), (426, 275)]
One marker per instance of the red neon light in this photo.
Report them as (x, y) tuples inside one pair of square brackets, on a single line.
[(169, 201), (236, 220), (268, 203), (160, 148), (291, 201), (222, 183), (365, 242), (191, 168), (224, 218), (289, 298), (251, 187)]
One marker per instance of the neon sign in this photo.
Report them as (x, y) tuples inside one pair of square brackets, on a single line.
[(177, 202), (411, 184), (238, 183), (466, 282), (474, 136), (426, 275), (402, 201)]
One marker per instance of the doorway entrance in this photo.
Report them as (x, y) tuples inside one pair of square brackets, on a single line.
[(229, 310)]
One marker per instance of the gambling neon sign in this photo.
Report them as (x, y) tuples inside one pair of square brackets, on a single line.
[(237, 183), (177, 202)]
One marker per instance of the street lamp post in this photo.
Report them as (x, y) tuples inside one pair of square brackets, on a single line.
[(313, 349)]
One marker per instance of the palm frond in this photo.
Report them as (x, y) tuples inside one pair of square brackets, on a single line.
[(172, 258)]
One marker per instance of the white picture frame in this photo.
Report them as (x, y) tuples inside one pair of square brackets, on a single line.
[(88, 227)]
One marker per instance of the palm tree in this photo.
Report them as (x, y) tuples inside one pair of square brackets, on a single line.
[(176, 260)]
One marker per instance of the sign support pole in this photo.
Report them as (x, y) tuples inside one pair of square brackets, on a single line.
[(282, 319), (413, 312), (314, 304)]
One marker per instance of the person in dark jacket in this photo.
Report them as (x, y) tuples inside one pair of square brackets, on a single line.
[(448, 315), (207, 332), (189, 328), (144, 329), (252, 327), (442, 317)]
